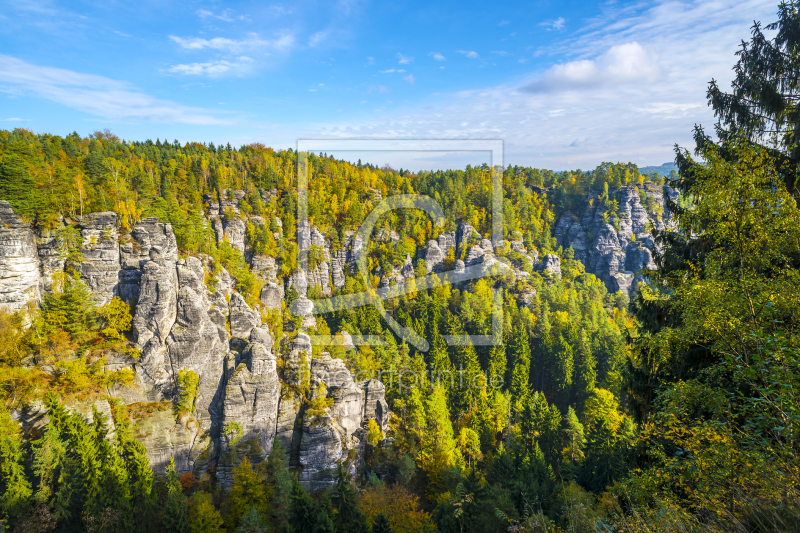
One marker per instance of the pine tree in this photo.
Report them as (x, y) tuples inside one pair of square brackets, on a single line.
[(349, 518), (15, 488), (250, 522), (302, 514), (602, 464), (520, 365), (176, 519), (561, 369), (140, 477), (381, 524), (585, 373)]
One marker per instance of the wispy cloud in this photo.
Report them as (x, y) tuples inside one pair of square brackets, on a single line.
[(403, 60), (226, 15), (472, 54), (318, 37), (501, 53), (388, 71), (97, 95), (121, 34), (437, 56), (14, 119), (410, 79), (554, 25), (240, 65), (233, 46)]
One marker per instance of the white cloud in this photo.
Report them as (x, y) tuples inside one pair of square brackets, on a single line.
[(233, 46), (388, 71), (621, 64), (501, 53), (437, 56), (121, 34), (469, 53), (15, 119), (241, 65), (97, 95), (410, 79), (403, 60), (557, 24), (318, 37), (226, 15)]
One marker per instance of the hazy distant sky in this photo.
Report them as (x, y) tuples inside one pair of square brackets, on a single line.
[(564, 84)]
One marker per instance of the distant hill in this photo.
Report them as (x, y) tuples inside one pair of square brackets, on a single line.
[(663, 170)]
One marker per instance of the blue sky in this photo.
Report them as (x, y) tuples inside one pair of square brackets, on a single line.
[(564, 84)]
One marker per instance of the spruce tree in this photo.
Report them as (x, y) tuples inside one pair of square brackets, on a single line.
[(381, 524), (176, 517), (349, 518), (520, 365), (302, 514), (15, 488)]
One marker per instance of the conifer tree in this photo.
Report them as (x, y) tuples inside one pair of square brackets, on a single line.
[(250, 522), (176, 519), (302, 514), (381, 524), (349, 518), (520, 366), (15, 488)]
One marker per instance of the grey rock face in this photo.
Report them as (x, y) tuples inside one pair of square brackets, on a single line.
[(156, 311), (271, 295), (100, 266), (474, 255), (433, 257), (338, 262), (234, 231), (19, 261), (252, 396), (551, 264), (289, 424), (265, 266), (466, 235), (321, 448), (149, 240), (602, 256), (194, 344), (446, 242), (375, 405), (299, 281), (304, 307), (51, 259), (407, 270), (242, 318), (298, 364)]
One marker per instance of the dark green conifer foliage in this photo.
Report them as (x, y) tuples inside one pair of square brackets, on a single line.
[(349, 518), (302, 512), (381, 524), (520, 365), (15, 489), (603, 463), (176, 516)]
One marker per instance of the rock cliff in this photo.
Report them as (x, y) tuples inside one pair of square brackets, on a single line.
[(616, 246), (244, 398)]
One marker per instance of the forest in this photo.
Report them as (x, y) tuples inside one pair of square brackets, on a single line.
[(674, 410)]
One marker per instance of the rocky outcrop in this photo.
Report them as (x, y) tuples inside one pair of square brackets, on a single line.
[(150, 240), (242, 318), (100, 265), (19, 261), (156, 311), (434, 258), (189, 316), (615, 252)]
